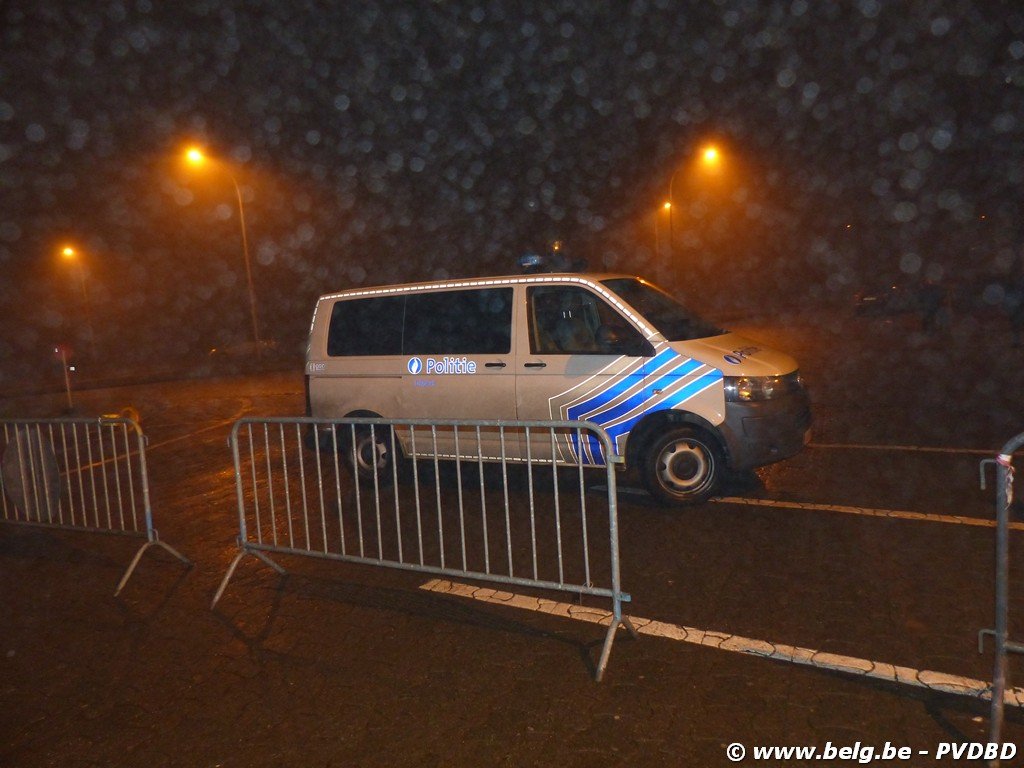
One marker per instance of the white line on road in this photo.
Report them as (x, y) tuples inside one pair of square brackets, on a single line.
[(876, 670), (912, 448), (896, 514)]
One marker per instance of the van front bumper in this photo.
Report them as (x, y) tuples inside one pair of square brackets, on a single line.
[(765, 431)]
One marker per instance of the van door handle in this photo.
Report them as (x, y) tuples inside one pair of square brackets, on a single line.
[(535, 365), (494, 365)]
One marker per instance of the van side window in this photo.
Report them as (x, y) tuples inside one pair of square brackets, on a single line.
[(474, 322), (566, 320), (366, 327)]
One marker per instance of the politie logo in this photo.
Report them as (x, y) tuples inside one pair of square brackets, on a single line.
[(446, 365), (739, 355)]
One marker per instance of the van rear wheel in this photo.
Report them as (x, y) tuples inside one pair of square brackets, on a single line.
[(371, 452), (682, 466)]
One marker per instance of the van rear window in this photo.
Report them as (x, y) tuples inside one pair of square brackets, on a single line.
[(471, 322), (366, 327)]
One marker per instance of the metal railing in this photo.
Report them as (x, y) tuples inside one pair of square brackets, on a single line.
[(509, 510), (79, 474), (1003, 645)]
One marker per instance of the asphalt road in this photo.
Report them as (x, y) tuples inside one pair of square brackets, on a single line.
[(873, 545)]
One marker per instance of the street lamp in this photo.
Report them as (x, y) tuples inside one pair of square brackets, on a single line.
[(195, 157), (710, 160), (667, 207), (71, 256)]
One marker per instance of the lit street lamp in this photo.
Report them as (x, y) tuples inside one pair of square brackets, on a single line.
[(710, 159), (659, 262), (195, 157), (71, 256)]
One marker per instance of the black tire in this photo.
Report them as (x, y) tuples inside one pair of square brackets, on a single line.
[(682, 466), (373, 445)]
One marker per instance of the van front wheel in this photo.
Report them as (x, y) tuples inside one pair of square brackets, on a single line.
[(682, 466)]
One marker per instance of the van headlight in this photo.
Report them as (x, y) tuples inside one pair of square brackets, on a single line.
[(745, 389)]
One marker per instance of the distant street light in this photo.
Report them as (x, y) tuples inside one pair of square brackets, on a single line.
[(710, 160), (196, 158), (667, 207), (71, 256)]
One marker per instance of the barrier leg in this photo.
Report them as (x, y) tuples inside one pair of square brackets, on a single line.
[(138, 556), (617, 620), (234, 564)]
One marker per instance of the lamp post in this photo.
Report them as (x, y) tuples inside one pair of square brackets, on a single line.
[(196, 158), (667, 207), (71, 256), (710, 158)]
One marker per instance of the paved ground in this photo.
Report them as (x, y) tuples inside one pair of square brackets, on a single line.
[(346, 665)]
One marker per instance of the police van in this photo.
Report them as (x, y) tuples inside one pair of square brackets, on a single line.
[(681, 399)]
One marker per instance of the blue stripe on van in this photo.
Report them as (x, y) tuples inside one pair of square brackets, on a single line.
[(647, 395), (590, 451), (618, 387), (695, 387)]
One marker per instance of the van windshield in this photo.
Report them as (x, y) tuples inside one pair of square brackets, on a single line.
[(668, 316)]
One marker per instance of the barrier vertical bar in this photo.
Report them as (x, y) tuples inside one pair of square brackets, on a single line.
[(504, 486), (131, 478), (437, 497), (376, 490), (251, 442), (116, 461), (21, 471), (271, 496), (287, 488), (66, 474), (103, 475), (611, 458), (53, 452), (394, 484), (558, 512), (320, 494), (416, 489), (359, 503), (42, 469), (302, 482), (583, 509), (1004, 497), (3, 490), (483, 500), (458, 484), (336, 460), (533, 512)]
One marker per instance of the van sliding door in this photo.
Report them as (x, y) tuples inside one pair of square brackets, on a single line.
[(459, 364)]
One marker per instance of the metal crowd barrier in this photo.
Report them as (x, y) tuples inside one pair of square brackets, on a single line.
[(79, 474), (1003, 645), (480, 518)]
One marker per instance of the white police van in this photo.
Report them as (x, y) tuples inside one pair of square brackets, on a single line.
[(681, 399)]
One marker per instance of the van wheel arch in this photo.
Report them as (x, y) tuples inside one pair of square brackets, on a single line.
[(644, 433)]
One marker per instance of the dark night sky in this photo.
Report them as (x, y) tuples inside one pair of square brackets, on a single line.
[(379, 142)]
